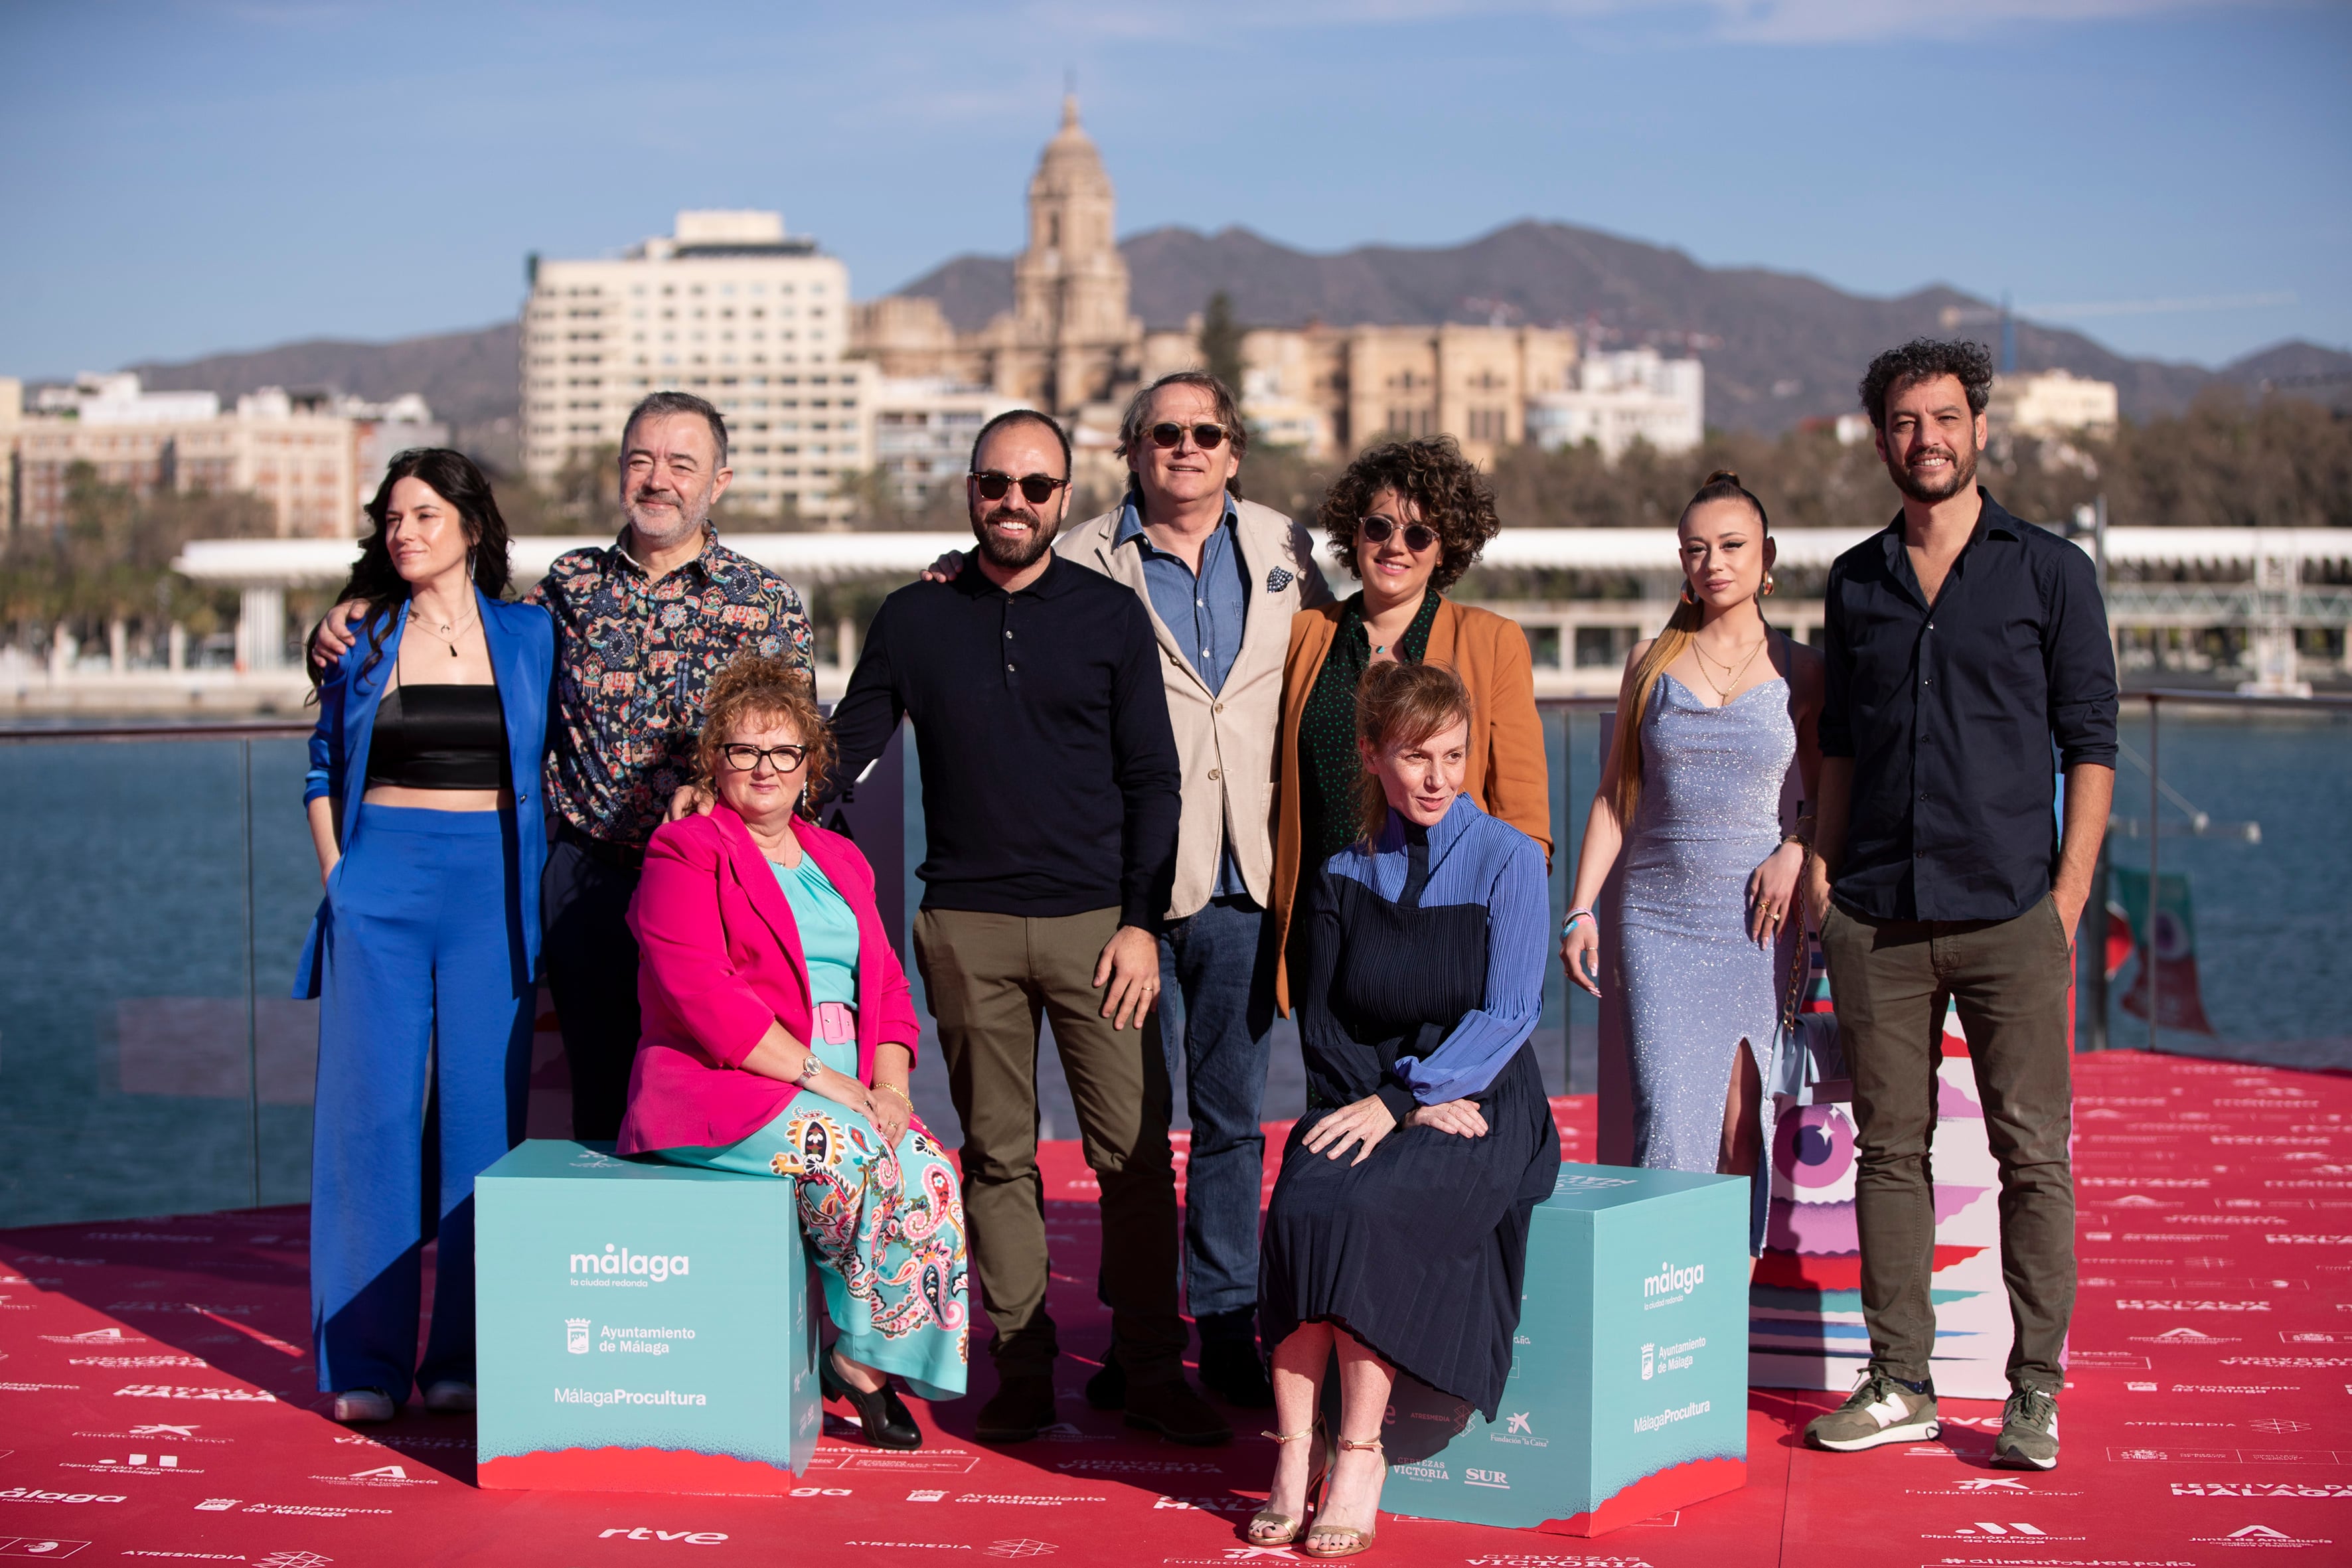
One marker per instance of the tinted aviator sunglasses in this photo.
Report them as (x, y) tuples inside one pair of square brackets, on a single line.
[(1036, 488), (1418, 536), (1169, 434)]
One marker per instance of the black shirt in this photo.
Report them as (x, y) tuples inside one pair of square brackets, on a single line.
[(1050, 775), (1950, 713)]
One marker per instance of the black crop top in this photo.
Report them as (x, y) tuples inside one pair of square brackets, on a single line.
[(439, 737)]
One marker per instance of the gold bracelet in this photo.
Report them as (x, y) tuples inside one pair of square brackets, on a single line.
[(894, 1088)]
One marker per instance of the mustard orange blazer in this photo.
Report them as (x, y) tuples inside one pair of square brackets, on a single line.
[(1506, 772)]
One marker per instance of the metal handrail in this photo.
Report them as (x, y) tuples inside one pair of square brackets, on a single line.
[(243, 730)]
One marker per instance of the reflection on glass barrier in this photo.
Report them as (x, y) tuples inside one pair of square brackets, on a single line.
[(149, 1060), (2237, 948)]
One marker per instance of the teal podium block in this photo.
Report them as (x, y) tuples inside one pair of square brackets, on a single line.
[(643, 1327), (1628, 1392)]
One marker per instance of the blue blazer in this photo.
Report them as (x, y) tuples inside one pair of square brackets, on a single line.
[(522, 640)]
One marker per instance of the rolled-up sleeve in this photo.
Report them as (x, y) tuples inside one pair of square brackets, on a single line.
[(2081, 662), (1518, 921)]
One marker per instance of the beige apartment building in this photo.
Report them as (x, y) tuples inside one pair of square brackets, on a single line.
[(728, 305), (299, 455), (2052, 404)]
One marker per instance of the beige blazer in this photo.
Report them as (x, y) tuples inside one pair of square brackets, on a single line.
[(1226, 741)]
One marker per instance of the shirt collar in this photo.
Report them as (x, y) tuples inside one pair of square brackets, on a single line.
[(1443, 837), (1130, 527), (1994, 520), (1049, 584), (706, 560)]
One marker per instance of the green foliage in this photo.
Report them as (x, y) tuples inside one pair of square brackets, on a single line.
[(1220, 341), (111, 559)]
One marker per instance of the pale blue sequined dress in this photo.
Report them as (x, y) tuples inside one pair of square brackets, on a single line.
[(1695, 986)]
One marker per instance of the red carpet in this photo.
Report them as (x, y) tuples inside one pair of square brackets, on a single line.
[(155, 1405)]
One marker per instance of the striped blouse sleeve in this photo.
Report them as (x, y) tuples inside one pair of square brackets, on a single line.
[(1518, 921)]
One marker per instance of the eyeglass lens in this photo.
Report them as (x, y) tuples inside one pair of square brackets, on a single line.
[(1036, 488), (1208, 437), (783, 759), (1418, 536)]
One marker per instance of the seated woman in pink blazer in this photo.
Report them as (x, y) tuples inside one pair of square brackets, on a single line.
[(777, 1038)]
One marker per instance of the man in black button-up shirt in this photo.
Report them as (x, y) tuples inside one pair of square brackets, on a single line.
[(1966, 650), (1050, 796)]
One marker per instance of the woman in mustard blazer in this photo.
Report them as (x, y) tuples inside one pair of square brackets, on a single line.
[(1407, 518)]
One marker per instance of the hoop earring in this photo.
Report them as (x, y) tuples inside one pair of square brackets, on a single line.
[(1767, 585), (1688, 598)]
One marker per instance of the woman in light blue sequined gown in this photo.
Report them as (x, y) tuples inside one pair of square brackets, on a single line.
[(1712, 714)]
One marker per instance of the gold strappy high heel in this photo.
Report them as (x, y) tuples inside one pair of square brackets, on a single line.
[(1347, 1540), (1267, 1528)]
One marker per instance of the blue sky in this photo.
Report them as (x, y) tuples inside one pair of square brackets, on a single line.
[(229, 173)]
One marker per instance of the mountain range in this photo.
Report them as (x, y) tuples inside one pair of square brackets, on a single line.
[(1780, 347)]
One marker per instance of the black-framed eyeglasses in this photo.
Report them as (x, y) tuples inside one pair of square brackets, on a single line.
[(1169, 434), (1036, 488), (1418, 536), (743, 758)]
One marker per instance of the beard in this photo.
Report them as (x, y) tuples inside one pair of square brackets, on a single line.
[(1006, 555), (661, 528), (1959, 476)]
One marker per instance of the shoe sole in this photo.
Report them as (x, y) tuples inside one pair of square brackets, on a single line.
[(1190, 1440), (1913, 1432), (2013, 1458)]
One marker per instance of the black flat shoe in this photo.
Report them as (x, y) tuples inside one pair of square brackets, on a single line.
[(887, 1421)]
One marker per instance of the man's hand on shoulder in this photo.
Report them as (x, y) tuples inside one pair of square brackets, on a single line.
[(946, 569), (336, 631), (690, 800)]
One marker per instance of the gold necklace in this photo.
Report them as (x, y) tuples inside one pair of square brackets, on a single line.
[(445, 634), (1724, 692)]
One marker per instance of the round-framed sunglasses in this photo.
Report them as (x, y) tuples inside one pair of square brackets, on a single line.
[(744, 758), (1036, 488), (1418, 536), (1168, 435)]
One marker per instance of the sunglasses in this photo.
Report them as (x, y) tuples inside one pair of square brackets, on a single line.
[(1418, 536), (1168, 434), (1036, 488), (783, 759)]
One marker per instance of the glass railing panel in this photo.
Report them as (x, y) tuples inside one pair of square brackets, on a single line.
[(145, 1066), (2254, 882)]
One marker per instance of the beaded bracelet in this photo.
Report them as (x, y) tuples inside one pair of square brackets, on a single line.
[(1573, 916)]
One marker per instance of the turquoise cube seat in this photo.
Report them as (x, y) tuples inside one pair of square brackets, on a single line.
[(642, 1327), (1628, 1392)]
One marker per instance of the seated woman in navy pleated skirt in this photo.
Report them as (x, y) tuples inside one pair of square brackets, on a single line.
[(1397, 1229)]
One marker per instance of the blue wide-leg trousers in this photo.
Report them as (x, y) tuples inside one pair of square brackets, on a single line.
[(425, 1023)]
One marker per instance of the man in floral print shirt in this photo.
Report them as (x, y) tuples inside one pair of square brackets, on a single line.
[(642, 625)]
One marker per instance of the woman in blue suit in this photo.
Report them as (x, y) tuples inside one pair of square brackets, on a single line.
[(424, 800)]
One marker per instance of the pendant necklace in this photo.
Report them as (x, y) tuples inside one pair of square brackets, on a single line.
[(1706, 658), (447, 635)]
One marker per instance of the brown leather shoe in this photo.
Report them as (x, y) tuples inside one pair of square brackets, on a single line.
[(1018, 1410), (1176, 1413)]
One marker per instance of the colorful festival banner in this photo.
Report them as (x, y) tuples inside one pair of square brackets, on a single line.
[(2169, 934)]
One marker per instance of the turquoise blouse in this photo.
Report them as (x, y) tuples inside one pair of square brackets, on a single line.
[(828, 930)]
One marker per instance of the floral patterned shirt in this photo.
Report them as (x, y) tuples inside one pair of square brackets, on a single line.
[(634, 658)]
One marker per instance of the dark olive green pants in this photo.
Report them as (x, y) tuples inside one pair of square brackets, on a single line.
[(989, 979), (2008, 980)]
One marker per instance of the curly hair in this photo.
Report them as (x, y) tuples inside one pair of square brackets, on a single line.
[(1453, 497), (754, 688), (1401, 704), (1923, 359)]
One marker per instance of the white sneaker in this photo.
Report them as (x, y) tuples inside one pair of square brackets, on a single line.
[(1881, 1411), (362, 1407)]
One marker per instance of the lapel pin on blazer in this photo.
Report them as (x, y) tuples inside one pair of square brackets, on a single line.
[(1277, 580)]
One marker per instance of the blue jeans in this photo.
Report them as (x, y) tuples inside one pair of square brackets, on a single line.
[(1220, 961)]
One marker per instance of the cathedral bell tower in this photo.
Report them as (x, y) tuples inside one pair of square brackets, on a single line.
[(1070, 284)]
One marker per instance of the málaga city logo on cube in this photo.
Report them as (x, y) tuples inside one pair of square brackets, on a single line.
[(1649, 1361), (575, 1336), (1672, 1284), (619, 1265)]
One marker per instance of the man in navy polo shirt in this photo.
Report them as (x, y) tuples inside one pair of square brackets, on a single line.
[(1967, 653)]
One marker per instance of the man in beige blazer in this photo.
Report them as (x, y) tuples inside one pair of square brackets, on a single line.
[(1222, 578)]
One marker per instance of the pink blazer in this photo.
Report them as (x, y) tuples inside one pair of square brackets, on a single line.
[(720, 961)]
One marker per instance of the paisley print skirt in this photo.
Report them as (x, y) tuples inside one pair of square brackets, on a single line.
[(887, 1228)]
